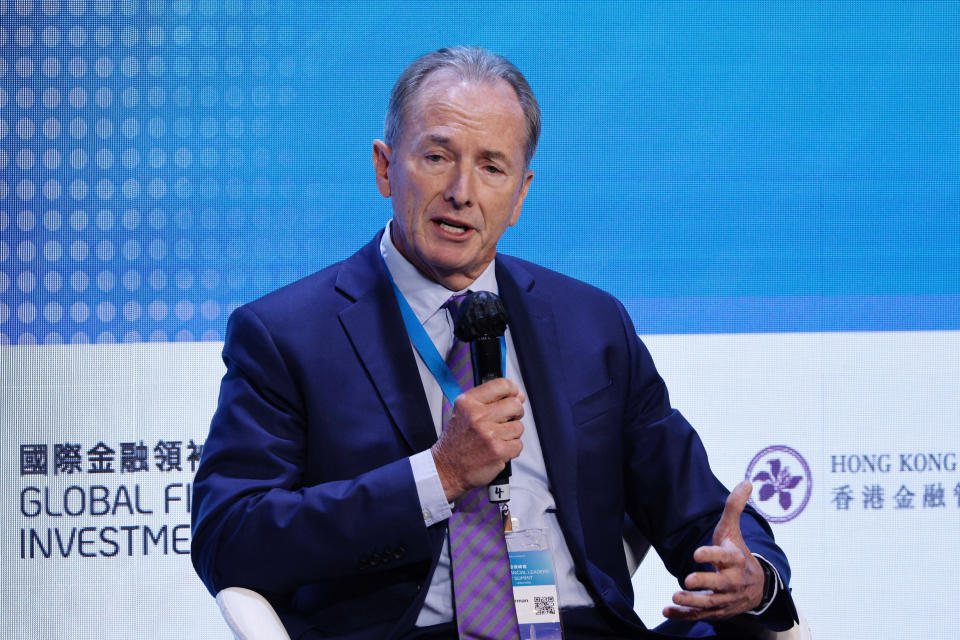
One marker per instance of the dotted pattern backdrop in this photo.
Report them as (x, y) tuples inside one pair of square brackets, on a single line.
[(139, 142), (771, 168)]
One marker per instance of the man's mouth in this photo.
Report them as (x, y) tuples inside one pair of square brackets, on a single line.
[(452, 227)]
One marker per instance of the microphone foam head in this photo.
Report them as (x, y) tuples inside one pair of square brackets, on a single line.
[(481, 315)]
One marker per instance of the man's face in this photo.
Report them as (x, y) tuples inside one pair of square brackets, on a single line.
[(456, 176)]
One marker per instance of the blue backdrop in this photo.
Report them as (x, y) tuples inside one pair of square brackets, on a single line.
[(778, 166)]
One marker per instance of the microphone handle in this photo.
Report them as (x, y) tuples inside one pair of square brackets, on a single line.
[(485, 352)]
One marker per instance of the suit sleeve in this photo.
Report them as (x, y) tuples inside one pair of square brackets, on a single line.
[(257, 523), (672, 493)]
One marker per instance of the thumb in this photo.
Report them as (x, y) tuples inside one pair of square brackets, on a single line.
[(729, 525)]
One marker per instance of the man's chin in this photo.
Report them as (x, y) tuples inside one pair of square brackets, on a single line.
[(453, 275)]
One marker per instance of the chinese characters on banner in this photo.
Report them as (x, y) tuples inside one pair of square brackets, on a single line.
[(108, 516), (935, 488)]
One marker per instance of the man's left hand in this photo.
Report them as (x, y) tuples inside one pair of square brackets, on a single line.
[(736, 583)]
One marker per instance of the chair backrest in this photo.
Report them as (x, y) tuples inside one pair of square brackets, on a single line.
[(249, 615), (635, 545)]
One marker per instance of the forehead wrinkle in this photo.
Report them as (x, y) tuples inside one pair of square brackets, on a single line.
[(443, 102)]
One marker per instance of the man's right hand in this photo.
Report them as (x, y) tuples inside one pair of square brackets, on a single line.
[(482, 435)]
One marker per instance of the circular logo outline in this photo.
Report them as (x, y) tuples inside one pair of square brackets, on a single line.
[(793, 513)]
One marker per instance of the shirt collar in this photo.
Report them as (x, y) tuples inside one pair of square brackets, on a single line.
[(425, 296)]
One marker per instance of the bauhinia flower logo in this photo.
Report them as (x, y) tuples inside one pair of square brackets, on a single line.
[(770, 472), (778, 482)]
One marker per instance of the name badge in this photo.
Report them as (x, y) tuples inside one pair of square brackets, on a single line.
[(534, 585)]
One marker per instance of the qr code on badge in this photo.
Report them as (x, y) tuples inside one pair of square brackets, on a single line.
[(544, 605)]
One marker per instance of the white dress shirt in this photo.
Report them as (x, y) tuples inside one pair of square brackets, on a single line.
[(531, 501)]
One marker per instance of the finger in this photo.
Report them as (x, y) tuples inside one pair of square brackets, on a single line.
[(701, 599), (502, 411), (512, 430), (729, 525), (716, 581), (494, 403), (706, 604), (676, 612), (725, 554), (503, 448), (494, 390), (503, 440), (680, 613), (514, 447)]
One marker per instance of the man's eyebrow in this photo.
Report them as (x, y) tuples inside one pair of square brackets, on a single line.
[(494, 155)]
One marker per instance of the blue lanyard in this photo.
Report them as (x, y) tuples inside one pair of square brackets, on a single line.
[(428, 351)]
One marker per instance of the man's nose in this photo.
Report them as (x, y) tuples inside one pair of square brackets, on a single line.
[(460, 190)]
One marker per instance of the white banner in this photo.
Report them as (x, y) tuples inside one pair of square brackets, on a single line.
[(851, 439), (870, 423), (99, 448)]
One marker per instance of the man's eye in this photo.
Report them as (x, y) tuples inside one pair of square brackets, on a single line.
[(492, 169), (434, 157)]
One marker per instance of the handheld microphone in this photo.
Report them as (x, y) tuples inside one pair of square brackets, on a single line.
[(481, 321)]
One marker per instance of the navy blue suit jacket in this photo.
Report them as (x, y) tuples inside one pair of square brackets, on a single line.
[(305, 493)]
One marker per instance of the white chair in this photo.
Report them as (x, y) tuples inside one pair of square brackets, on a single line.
[(799, 631), (250, 616)]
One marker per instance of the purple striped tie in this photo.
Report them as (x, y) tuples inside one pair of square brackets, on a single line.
[(482, 590)]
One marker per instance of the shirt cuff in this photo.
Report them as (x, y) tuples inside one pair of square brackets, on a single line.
[(772, 594), (433, 499)]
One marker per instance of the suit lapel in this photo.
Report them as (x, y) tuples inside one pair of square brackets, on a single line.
[(533, 327), (375, 328)]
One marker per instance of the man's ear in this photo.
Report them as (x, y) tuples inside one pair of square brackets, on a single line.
[(381, 163), (518, 205)]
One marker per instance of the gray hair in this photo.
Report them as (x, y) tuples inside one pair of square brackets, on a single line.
[(470, 63)]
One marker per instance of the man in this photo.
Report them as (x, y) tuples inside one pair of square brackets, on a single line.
[(331, 466)]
